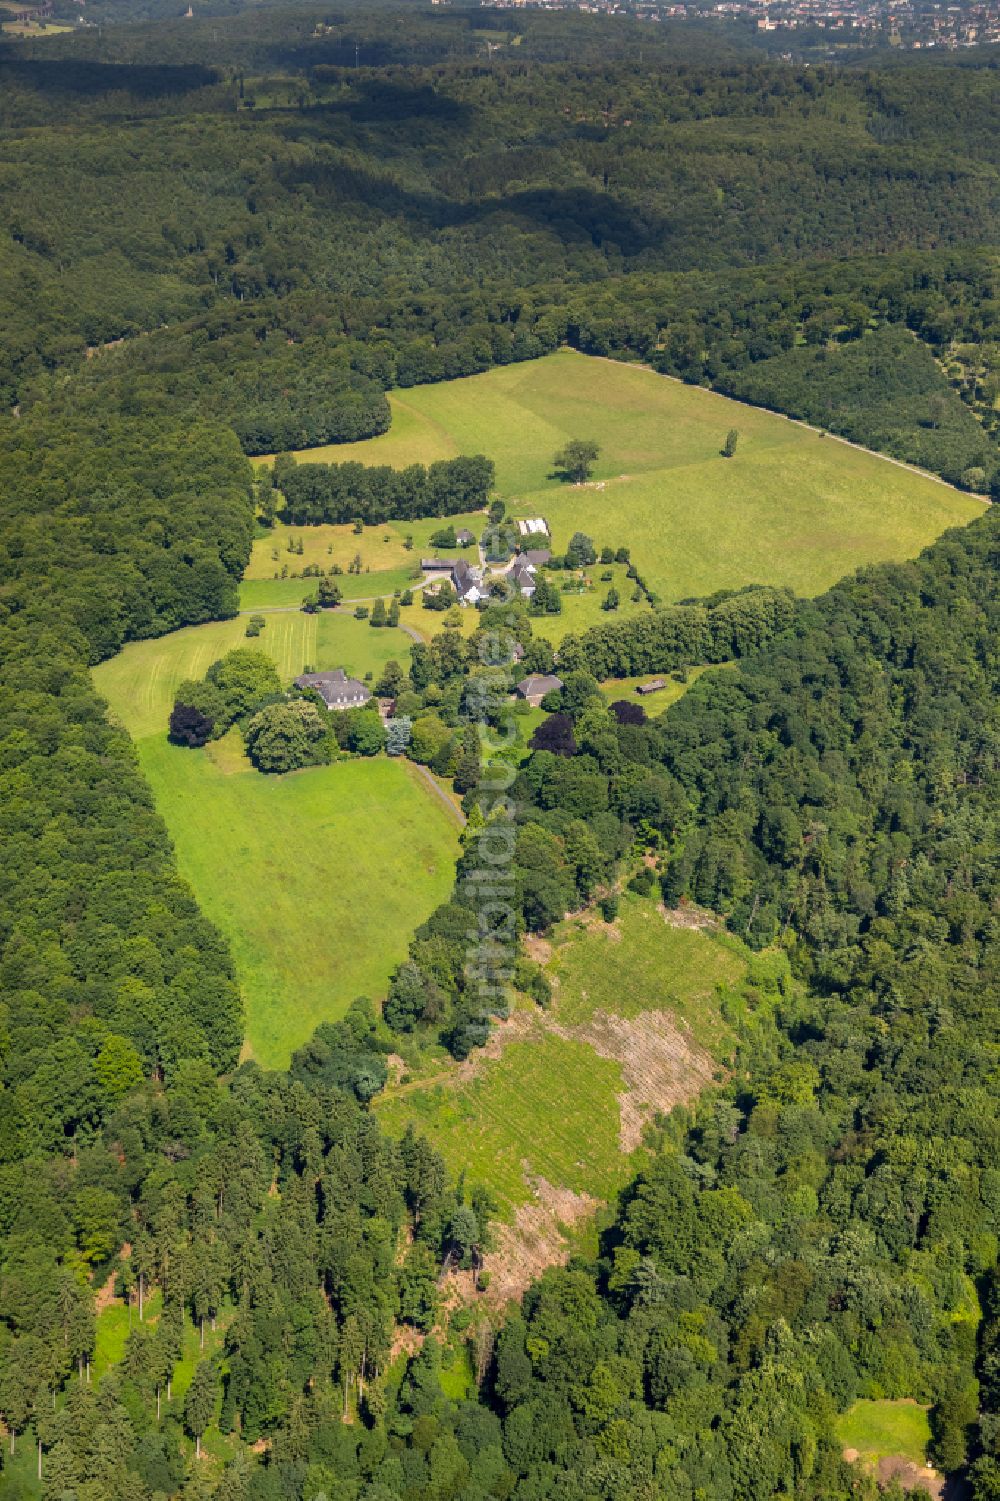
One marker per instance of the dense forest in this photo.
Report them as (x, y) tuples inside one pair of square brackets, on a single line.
[(271, 219)]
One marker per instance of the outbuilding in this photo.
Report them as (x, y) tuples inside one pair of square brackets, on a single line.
[(534, 687)]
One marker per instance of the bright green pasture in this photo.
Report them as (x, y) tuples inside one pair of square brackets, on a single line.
[(269, 594), (412, 439), (614, 689), (140, 682), (317, 878), (880, 1429), (791, 508)]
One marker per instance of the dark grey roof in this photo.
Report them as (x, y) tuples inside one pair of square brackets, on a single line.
[(460, 569), (464, 536), (523, 575), (335, 688), (537, 556), (429, 565), (539, 683)]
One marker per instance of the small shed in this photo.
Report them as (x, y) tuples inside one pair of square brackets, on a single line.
[(652, 687), (436, 565)]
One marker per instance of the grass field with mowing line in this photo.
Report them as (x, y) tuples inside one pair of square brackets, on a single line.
[(546, 1106), (878, 1429), (140, 682), (792, 507)]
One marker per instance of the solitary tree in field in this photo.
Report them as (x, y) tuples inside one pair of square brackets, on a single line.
[(729, 447), (577, 459), (580, 552)]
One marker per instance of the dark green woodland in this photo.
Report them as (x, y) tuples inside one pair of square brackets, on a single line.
[(272, 217)]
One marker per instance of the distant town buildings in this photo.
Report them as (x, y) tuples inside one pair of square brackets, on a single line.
[(861, 23)]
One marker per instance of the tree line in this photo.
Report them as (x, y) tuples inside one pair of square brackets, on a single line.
[(317, 493)]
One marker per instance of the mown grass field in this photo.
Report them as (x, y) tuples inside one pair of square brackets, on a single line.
[(140, 682), (548, 1105), (880, 1429), (317, 879), (791, 508)]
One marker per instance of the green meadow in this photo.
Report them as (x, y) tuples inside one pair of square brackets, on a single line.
[(880, 1429), (792, 507), (547, 1106), (318, 878), (669, 968), (674, 687), (583, 609)]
